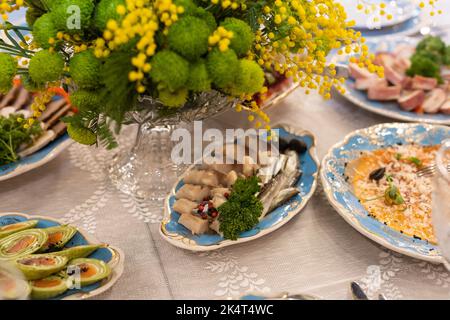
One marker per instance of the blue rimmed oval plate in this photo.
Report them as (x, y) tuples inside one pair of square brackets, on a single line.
[(340, 193), (37, 159), (387, 109), (179, 236), (113, 256)]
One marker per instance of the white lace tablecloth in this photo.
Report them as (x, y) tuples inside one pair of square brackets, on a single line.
[(317, 252)]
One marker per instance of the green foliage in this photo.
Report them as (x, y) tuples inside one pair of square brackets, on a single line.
[(189, 37), (46, 66), (32, 15), (119, 95), (223, 67), (82, 134), (199, 79), (106, 10), (243, 36), (424, 66), (85, 69), (43, 30), (86, 100), (170, 69), (88, 127), (431, 44), (8, 69), (13, 135), (62, 14), (173, 99), (242, 210), (250, 78)]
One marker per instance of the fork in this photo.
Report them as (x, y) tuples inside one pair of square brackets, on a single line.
[(429, 171)]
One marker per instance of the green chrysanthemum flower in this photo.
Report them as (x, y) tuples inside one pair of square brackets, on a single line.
[(222, 67), (43, 30), (85, 100), (188, 5), (170, 68), (8, 69), (85, 69), (173, 99), (199, 79), (189, 37), (243, 36), (82, 135), (64, 14), (106, 10), (32, 15), (46, 66), (208, 17), (250, 78), (50, 4)]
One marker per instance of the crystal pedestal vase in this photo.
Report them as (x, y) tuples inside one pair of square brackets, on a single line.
[(146, 171)]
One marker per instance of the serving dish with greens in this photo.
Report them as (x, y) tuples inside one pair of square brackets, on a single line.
[(23, 145), (53, 261), (218, 205), (416, 82)]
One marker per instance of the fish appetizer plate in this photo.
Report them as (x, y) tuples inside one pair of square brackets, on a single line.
[(399, 48), (48, 144), (287, 185), (358, 147), (46, 252), (37, 159)]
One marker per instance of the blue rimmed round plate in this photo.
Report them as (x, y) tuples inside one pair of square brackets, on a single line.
[(35, 160), (340, 193), (387, 109), (113, 256), (181, 237)]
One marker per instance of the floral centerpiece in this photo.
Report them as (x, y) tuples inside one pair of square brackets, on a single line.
[(108, 53)]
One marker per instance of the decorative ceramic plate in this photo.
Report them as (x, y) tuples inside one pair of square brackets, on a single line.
[(387, 109), (179, 236), (35, 160), (401, 11), (114, 257), (340, 194)]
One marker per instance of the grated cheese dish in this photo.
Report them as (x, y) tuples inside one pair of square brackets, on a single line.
[(386, 183)]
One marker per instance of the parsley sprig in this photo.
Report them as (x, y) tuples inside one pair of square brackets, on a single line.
[(242, 210), (13, 135)]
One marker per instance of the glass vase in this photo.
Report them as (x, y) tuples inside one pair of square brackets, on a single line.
[(146, 171)]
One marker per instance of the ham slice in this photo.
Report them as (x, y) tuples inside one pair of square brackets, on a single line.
[(445, 108), (434, 100), (411, 100), (407, 83), (366, 83), (356, 72), (384, 93), (393, 76), (424, 83)]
